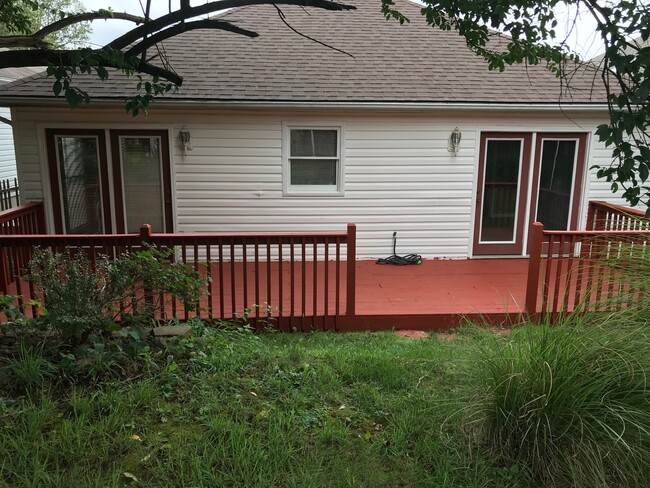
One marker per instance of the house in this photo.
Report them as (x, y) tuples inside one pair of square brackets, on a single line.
[(287, 134)]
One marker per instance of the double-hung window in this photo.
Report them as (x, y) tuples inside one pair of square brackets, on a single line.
[(313, 161)]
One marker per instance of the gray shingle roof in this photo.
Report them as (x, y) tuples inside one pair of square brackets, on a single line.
[(411, 63)]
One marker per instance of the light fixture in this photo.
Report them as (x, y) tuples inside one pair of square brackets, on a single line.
[(454, 141), (185, 137)]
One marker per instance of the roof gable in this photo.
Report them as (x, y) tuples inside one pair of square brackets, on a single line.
[(382, 61)]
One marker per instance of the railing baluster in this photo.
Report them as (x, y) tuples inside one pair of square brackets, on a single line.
[(222, 306), (326, 277), (245, 270), (208, 274), (292, 260), (315, 284), (269, 291), (547, 276), (558, 275), (233, 289), (303, 284), (280, 281), (338, 280)]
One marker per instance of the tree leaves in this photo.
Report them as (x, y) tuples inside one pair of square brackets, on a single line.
[(529, 27)]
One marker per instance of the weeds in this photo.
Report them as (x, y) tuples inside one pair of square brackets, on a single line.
[(569, 403)]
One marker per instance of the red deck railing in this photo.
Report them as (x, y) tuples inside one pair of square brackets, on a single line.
[(592, 270), (607, 216), (305, 281), (23, 220)]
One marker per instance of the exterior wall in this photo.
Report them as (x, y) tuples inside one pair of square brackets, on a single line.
[(7, 158), (399, 175)]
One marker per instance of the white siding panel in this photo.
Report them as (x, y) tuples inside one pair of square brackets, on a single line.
[(7, 156), (398, 175)]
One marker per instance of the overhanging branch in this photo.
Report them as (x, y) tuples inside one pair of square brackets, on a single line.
[(86, 17), (211, 7), (184, 27), (44, 57), (23, 41)]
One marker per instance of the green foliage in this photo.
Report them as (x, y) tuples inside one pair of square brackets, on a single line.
[(569, 403), (29, 16), (81, 299), (530, 37), (29, 371), (92, 61)]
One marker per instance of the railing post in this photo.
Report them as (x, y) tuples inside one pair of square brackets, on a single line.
[(145, 233), (591, 215), (40, 219), (534, 265), (351, 271)]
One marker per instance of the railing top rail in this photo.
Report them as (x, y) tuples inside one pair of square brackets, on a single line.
[(594, 233), (108, 239), (619, 208), (19, 210)]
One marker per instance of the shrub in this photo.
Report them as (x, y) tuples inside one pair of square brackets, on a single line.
[(81, 299), (569, 403)]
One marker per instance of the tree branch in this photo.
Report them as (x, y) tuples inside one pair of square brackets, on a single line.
[(23, 41), (5, 120), (210, 7), (284, 21), (146, 43), (43, 57), (86, 17)]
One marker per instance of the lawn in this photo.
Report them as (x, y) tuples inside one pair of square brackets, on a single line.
[(256, 410), (232, 408)]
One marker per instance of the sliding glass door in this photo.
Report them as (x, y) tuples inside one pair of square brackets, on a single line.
[(91, 198), (506, 187)]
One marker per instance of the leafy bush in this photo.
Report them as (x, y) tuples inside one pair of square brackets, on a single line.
[(81, 299), (569, 403)]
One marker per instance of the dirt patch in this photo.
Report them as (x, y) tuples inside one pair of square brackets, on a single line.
[(412, 334), (447, 337)]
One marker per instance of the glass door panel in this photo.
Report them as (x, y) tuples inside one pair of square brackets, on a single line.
[(78, 181), (142, 180), (78, 159), (556, 181), (504, 162), (142, 176), (500, 190)]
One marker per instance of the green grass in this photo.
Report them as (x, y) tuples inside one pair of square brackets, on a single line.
[(273, 410)]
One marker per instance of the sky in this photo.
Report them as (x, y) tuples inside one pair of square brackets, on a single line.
[(582, 36)]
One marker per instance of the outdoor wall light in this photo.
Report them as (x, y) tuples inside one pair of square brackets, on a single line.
[(185, 137), (454, 141)]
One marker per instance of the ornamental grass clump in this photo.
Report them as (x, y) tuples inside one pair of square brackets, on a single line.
[(569, 403)]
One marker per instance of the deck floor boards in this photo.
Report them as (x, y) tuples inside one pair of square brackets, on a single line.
[(467, 286)]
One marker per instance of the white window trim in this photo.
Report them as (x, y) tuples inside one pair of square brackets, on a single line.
[(289, 190)]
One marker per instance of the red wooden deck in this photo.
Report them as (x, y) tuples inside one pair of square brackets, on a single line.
[(438, 294), (467, 286)]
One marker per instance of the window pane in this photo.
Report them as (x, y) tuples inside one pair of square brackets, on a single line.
[(500, 190), (143, 198), (555, 183), (79, 166), (313, 172), (325, 143), (308, 142)]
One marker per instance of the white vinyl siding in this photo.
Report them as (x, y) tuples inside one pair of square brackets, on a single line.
[(7, 157), (399, 175)]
